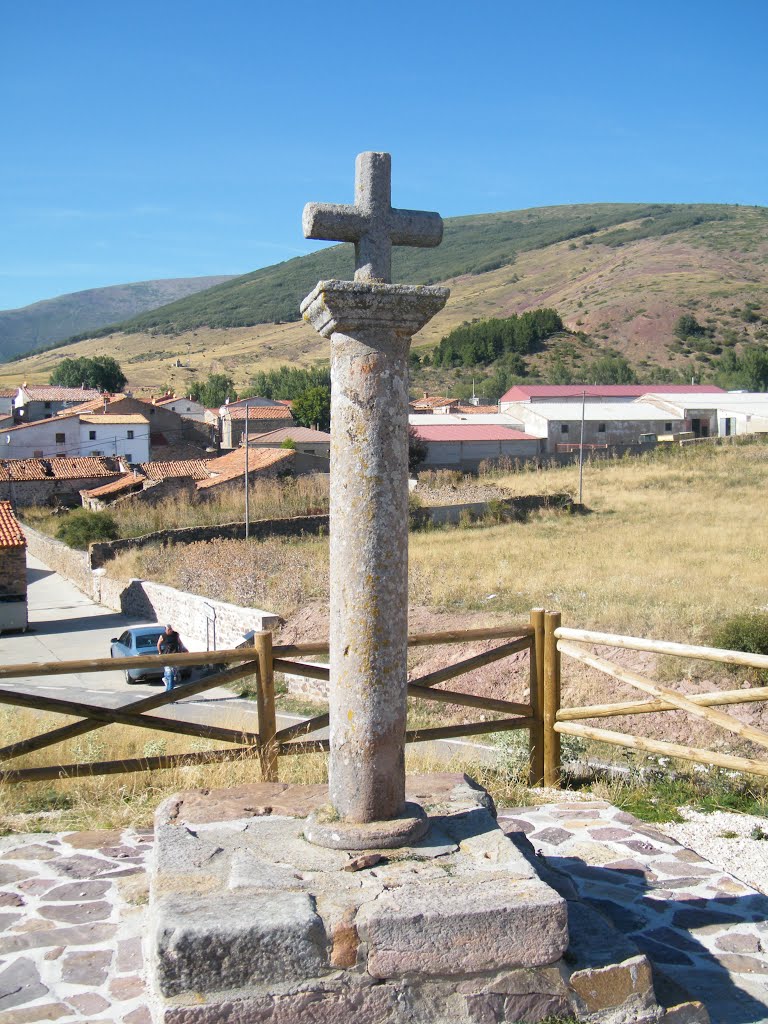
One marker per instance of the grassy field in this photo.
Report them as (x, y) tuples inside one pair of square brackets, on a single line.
[(671, 544)]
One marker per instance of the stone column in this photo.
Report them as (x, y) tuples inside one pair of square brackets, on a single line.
[(370, 326)]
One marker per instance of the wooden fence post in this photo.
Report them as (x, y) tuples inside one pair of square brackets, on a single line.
[(551, 700), (536, 699), (265, 703)]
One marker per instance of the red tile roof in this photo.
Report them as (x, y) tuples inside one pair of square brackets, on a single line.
[(470, 432), (124, 483), (432, 402), (8, 392), (476, 410), (260, 412), (11, 535), (524, 392), (58, 468), (196, 469), (231, 466), (52, 393)]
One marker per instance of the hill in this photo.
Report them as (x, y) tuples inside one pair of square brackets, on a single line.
[(620, 273), (52, 320)]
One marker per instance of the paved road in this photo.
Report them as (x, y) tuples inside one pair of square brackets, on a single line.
[(65, 625)]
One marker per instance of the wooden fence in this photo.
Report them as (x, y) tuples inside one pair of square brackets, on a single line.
[(260, 659), (545, 720)]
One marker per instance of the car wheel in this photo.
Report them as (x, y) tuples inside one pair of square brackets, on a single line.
[(129, 678)]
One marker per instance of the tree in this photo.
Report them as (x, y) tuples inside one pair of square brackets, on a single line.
[(312, 408), (688, 326), (102, 372), (611, 370), (214, 391), (417, 450)]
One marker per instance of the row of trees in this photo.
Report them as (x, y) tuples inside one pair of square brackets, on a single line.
[(481, 343)]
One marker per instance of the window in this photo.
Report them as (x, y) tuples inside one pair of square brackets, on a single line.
[(91, 435), (128, 457), (46, 405), (563, 428), (61, 438), (151, 412), (667, 428), (601, 428), (130, 435), (37, 455)]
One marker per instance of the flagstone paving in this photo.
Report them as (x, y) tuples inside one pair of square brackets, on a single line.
[(73, 913)]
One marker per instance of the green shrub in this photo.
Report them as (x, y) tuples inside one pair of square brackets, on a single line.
[(745, 632), (82, 527)]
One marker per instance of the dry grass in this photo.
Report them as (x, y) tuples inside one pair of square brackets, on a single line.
[(119, 801), (672, 545), (268, 499)]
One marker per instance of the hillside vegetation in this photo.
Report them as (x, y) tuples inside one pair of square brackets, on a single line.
[(43, 323), (620, 276)]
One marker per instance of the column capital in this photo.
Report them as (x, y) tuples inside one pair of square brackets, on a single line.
[(345, 307)]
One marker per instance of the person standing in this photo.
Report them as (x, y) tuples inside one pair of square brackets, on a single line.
[(169, 642)]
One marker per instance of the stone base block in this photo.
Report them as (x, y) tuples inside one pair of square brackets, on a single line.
[(251, 923)]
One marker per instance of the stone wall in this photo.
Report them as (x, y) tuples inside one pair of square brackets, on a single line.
[(513, 508), (13, 572), (25, 493)]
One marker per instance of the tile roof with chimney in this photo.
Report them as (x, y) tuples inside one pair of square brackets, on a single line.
[(58, 468), (232, 466), (11, 535), (427, 402)]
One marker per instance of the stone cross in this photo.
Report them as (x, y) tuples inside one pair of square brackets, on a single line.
[(370, 324), (371, 223)]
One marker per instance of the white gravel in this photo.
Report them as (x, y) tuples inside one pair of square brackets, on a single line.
[(711, 836)]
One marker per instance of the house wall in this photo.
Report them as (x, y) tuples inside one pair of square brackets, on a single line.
[(232, 431), (114, 439), (28, 442), (25, 493), (13, 572)]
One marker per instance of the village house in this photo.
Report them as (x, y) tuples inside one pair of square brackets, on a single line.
[(228, 471), (185, 406), (54, 481), (465, 445), (262, 418), (34, 402), (151, 482), (13, 571), (305, 440), (76, 435), (7, 396), (170, 434), (448, 406)]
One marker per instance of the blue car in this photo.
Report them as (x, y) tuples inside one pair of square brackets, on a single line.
[(135, 642)]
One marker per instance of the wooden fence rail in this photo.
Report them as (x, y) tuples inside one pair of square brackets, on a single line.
[(542, 716)]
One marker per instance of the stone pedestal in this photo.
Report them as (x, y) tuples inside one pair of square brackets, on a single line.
[(370, 327), (252, 923)]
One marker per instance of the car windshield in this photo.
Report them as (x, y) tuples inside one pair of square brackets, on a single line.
[(146, 640)]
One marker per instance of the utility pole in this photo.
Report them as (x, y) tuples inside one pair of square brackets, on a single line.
[(581, 444), (247, 509)]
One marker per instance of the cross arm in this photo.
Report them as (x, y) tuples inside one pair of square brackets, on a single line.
[(416, 227), (333, 222)]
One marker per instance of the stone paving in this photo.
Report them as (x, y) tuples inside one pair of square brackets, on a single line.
[(73, 911), (701, 928)]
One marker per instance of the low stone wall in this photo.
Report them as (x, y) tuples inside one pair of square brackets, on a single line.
[(25, 493), (207, 623), (512, 508)]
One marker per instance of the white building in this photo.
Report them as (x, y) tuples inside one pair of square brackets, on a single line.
[(42, 401), (79, 435), (717, 415), (613, 393), (605, 423), (184, 406)]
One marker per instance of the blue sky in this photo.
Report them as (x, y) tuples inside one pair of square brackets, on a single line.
[(174, 139)]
